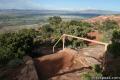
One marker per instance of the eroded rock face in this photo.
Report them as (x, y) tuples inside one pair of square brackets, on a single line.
[(24, 70), (49, 65), (66, 64), (28, 72)]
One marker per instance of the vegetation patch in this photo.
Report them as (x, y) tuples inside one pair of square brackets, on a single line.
[(114, 48), (16, 44)]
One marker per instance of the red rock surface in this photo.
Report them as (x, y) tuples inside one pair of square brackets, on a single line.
[(67, 64), (103, 18)]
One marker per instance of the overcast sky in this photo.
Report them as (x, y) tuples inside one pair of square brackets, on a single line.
[(113, 5)]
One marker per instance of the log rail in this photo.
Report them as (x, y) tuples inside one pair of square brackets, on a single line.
[(80, 38)]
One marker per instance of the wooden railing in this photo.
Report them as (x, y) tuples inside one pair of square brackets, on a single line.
[(89, 40)]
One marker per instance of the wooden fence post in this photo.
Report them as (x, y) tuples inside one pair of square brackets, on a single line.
[(106, 47), (63, 39)]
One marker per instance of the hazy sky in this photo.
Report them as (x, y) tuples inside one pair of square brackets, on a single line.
[(61, 4)]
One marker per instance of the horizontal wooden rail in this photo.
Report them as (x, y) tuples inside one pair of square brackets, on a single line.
[(89, 40), (98, 42)]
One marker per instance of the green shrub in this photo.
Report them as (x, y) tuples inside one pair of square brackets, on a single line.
[(107, 36), (16, 44), (86, 76), (57, 28), (55, 20), (91, 75), (109, 25), (114, 48), (107, 29), (97, 68)]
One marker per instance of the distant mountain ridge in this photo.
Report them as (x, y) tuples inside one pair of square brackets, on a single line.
[(89, 11), (100, 11)]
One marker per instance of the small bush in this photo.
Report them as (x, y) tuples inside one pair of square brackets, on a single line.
[(86, 76), (97, 68), (90, 75)]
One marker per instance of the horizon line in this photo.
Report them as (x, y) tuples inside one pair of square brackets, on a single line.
[(63, 9)]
